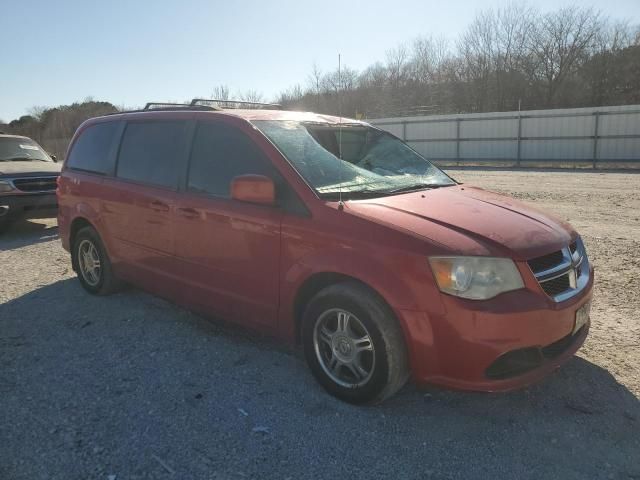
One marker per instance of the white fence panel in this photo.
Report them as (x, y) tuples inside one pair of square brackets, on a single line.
[(598, 137)]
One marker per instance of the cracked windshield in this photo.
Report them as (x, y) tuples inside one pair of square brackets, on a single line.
[(355, 159)]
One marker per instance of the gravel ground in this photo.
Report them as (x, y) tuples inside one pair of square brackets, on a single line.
[(132, 387)]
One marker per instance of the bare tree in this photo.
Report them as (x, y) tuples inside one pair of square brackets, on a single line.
[(37, 111), (374, 76), (343, 80), (292, 96), (560, 42), (477, 49), (252, 96), (314, 80), (428, 59), (220, 92), (398, 65), (513, 27)]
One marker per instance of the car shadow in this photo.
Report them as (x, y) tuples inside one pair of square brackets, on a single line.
[(134, 369), (28, 232)]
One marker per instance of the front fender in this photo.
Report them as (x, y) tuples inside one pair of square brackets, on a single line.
[(396, 276)]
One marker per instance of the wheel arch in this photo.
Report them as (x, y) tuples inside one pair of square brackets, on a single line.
[(77, 224), (319, 281)]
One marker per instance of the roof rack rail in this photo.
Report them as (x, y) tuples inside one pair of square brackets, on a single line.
[(230, 103), (176, 106)]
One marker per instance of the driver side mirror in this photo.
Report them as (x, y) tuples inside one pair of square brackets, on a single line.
[(53, 157), (254, 189)]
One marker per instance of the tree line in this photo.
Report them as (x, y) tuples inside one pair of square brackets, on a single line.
[(506, 59), (53, 127)]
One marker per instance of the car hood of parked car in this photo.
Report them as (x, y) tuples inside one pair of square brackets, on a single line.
[(29, 167), (469, 221)]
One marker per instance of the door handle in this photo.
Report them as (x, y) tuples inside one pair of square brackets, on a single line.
[(189, 212), (159, 206)]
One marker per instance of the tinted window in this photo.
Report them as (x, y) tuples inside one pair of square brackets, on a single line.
[(153, 152), (221, 152), (92, 150)]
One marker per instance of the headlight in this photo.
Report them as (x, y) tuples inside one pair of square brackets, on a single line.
[(476, 278), (5, 186)]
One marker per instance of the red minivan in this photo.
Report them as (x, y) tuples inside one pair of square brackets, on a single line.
[(329, 233)]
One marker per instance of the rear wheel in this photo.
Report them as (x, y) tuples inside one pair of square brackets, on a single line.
[(353, 344), (92, 264)]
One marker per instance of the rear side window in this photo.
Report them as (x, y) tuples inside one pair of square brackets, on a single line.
[(92, 151), (221, 152), (153, 152)]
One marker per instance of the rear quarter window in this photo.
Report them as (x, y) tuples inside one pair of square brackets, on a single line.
[(93, 150)]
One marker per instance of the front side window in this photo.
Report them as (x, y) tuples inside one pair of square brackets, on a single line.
[(91, 152), (153, 152), (354, 159), (17, 149), (219, 153)]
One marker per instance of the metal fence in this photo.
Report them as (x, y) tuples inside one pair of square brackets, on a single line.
[(603, 137)]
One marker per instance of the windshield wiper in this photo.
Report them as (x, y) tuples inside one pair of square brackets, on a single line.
[(353, 195), (417, 186)]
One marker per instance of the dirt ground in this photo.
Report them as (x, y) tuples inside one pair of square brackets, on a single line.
[(132, 387)]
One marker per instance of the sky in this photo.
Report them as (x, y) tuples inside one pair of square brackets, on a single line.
[(135, 51)]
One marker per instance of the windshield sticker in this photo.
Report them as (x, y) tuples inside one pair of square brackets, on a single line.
[(29, 147)]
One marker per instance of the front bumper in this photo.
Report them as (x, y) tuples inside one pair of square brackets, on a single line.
[(42, 205), (471, 345)]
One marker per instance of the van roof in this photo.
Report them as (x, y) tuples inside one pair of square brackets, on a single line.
[(253, 114), (246, 114)]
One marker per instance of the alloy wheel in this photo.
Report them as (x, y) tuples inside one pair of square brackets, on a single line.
[(344, 348), (89, 262)]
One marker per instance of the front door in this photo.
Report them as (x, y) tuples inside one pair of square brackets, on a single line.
[(229, 250)]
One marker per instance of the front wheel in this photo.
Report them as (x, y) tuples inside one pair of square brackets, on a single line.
[(353, 344)]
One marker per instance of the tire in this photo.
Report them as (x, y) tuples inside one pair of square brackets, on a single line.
[(88, 245), (5, 224), (335, 327)]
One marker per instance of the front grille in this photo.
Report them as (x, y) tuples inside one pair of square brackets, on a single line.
[(545, 262), (563, 273), (557, 285), (36, 184)]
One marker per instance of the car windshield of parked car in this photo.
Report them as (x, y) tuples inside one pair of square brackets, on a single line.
[(352, 160), (21, 149)]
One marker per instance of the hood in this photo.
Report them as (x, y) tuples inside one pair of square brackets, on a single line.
[(469, 221), (29, 168)]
